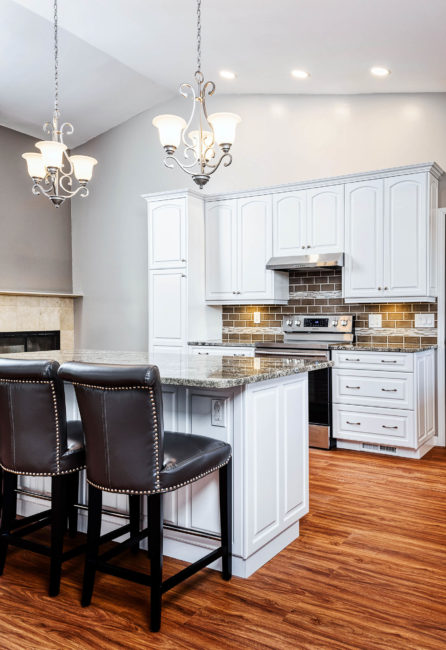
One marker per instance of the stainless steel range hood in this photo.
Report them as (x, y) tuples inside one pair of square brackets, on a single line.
[(305, 261)]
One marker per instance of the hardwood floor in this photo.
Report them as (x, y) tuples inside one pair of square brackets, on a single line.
[(368, 571)]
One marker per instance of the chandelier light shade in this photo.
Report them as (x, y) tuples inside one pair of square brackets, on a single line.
[(202, 136), (52, 169)]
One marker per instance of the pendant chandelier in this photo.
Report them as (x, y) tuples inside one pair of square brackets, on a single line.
[(52, 169), (203, 134)]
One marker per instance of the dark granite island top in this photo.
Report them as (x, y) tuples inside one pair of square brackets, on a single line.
[(185, 369)]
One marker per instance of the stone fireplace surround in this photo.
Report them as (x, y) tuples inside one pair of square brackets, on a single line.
[(26, 313)]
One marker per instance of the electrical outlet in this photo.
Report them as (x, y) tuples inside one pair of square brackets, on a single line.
[(375, 320), (257, 317), (424, 320), (218, 415)]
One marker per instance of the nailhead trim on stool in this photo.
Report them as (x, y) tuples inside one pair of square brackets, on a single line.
[(56, 422)]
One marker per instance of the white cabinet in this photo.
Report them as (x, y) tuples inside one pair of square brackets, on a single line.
[(289, 223), (221, 250), (406, 223), (238, 245), (385, 402), (364, 240), (308, 221), (167, 233), (168, 293), (325, 219), (390, 242), (177, 308)]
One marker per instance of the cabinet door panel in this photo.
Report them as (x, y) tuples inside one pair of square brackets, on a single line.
[(289, 223), (254, 247), (405, 241), (363, 273), (325, 220), (167, 234), (221, 268), (167, 308)]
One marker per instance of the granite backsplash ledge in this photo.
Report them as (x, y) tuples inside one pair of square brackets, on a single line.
[(317, 291)]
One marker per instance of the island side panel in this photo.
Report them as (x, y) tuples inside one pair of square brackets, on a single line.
[(276, 478)]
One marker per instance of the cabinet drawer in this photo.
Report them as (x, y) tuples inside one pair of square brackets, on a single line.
[(387, 389), (397, 361), (386, 426), (226, 351)]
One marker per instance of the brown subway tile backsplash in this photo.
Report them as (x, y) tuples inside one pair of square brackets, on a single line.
[(399, 317)]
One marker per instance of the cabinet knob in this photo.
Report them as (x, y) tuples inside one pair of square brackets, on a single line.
[(379, 289), (308, 246), (183, 275), (183, 260), (303, 246), (386, 288)]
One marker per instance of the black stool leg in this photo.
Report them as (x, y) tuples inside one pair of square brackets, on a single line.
[(225, 480), (73, 493), (155, 523), (93, 536), (135, 513), (58, 528), (8, 514)]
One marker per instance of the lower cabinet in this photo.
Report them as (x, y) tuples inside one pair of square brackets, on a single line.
[(386, 410)]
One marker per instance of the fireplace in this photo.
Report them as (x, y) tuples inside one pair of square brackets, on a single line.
[(11, 342)]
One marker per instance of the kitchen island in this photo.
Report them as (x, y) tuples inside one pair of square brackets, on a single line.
[(260, 407)]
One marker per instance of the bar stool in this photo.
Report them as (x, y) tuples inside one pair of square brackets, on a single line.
[(36, 440), (129, 452)]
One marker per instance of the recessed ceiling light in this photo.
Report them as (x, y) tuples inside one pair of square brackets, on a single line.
[(379, 71), (300, 74), (227, 74)]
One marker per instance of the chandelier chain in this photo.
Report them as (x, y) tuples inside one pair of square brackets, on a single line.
[(56, 60), (198, 35)]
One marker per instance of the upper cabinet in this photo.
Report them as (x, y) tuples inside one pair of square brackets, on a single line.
[(167, 234), (325, 220), (390, 242), (238, 246), (309, 221)]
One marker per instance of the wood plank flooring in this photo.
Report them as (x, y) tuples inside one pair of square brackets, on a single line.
[(368, 572)]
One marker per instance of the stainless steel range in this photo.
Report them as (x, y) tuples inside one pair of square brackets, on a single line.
[(310, 336)]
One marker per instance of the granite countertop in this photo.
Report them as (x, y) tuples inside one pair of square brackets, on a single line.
[(364, 347), (383, 347), (229, 344), (183, 369)]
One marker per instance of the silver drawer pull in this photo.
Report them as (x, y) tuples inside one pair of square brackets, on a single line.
[(354, 423), (389, 361), (389, 390), (354, 387), (203, 353), (385, 426), (347, 359)]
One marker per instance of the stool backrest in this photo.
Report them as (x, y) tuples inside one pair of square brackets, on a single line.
[(122, 417), (33, 430)]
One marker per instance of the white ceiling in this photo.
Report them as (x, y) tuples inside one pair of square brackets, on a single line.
[(119, 57)]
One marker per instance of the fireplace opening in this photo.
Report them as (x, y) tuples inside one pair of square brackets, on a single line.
[(11, 342)]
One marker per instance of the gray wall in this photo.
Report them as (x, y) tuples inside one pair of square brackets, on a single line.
[(282, 139), (35, 239)]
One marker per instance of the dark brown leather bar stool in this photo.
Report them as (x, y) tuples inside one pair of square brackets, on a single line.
[(36, 440), (129, 452)]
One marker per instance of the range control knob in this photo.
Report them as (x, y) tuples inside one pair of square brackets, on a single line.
[(289, 323), (344, 323), (297, 323), (334, 323)]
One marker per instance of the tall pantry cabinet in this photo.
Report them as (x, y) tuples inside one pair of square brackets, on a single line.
[(178, 312)]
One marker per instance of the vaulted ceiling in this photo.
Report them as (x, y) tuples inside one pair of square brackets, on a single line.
[(120, 57)]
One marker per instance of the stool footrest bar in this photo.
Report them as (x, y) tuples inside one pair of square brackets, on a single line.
[(191, 569)]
